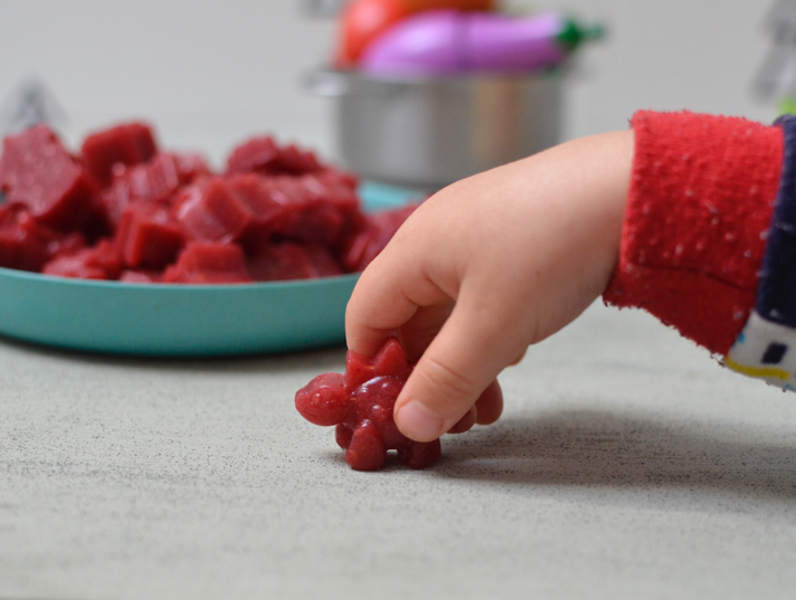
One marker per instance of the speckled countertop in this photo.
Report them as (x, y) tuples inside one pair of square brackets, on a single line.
[(627, 465)]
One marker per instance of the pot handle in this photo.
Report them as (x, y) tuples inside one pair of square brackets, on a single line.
[(323, 82), (335, 84)]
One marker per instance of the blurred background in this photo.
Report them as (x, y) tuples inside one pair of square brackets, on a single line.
[(208, 73)]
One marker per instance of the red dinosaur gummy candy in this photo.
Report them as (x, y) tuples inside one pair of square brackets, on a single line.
[(360, 403)]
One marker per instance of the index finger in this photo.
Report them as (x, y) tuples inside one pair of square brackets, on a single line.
[(388, 294)]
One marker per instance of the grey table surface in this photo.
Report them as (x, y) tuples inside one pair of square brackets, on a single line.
[(628, 464)]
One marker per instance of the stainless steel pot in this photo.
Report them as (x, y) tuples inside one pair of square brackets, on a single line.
[(429, 133)]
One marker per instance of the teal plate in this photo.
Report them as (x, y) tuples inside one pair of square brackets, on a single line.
[(182, 320)]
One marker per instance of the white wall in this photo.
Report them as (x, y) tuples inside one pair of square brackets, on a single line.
[(200, 70), (207, 73), (700, 55)]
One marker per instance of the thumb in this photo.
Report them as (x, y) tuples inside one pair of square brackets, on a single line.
[(460, 363)]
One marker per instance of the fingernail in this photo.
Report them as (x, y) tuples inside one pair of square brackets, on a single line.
[(418, 423)]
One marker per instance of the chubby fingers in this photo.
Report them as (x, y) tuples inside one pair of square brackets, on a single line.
[(489, 405), (487, 409), (457, 371), (391, 295)]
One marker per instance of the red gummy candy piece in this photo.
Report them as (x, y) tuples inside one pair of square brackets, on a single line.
[(148, 237), (254, 209), (101, 261), (156, 181), (37, 172), (389, 360), (283, 261), (326, 402), (263, 155), (126, 144), (209, 262), (365, 244), (366, 449), (315, 208), (213, 212), (26, 244), (360, 403)]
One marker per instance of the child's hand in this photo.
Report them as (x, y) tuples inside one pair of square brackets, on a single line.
[(488, 266)]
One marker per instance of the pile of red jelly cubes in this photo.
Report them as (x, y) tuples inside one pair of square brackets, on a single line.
[(123, 209)]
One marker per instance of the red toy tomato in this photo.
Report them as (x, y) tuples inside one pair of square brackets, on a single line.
[(418, 5), (361, 22)]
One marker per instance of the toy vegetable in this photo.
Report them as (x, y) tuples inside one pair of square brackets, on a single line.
[(362, 21), (449, 42)]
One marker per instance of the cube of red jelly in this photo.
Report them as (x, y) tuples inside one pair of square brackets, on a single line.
[(294, 160), (158, 180), (212, 213), (288, 260), (148, 237), (263, 155), (24, 243), (361, 247), (258, 153), (256, 192), (346, 178), (250, 208), (101, 261), (209, 262), (303, 209), (38, 172), (313, 208), (126, 144)]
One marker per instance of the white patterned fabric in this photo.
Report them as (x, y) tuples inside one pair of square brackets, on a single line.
[(766, 350)]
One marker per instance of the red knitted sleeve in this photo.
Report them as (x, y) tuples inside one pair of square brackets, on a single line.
[(699, 208)]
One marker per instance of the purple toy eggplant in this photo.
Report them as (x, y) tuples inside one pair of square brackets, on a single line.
[(452, 42)]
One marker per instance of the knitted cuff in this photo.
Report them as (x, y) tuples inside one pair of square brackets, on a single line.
[(700, 201)]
